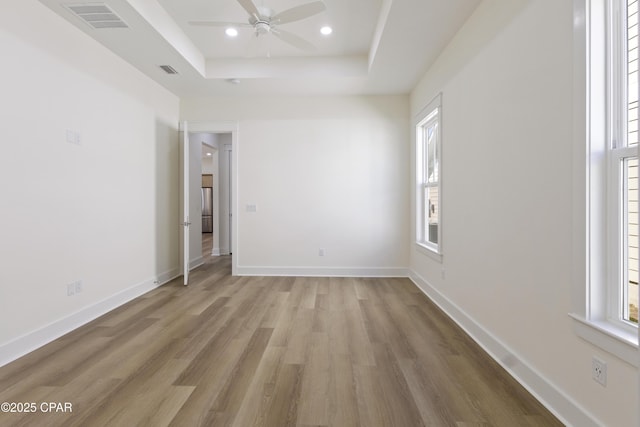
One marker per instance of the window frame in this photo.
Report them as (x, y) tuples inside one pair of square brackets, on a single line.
[(428, 116), (616, 235), (597, 128), (617, 151)]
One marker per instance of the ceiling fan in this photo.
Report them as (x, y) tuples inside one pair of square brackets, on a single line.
[(264, 21)]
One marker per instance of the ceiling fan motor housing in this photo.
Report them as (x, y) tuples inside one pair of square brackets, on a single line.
[(262, 27), (262, 23)]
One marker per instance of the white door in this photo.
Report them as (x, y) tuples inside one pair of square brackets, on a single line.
[(185, 202)]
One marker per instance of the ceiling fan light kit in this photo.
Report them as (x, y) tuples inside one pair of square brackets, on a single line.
[(264, 22)]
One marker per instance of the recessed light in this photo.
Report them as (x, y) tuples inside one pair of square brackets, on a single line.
[(231, 32), (326, 30), (209, 154)]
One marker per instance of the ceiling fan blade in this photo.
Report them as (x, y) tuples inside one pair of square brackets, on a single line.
[(299, 12), (292, 39), (220, 24), (250, 7)]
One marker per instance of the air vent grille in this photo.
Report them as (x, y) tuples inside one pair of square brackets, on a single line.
[(97, 15), (168, 69)]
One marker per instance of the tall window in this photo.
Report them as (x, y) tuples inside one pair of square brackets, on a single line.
[(623, 160), (606, 136), (428, 171), (613, 165)]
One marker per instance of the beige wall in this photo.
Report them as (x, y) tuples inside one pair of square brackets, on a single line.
[(506, 83), (103, 212), (324, 172)]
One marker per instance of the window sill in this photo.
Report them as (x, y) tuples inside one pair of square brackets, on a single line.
[(425, 250), (609, 337)]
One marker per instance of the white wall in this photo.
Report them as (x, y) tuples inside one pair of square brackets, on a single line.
[(103, 212), (506, 81), (195, 201), (225, 213), (209, 162), (323, 172)]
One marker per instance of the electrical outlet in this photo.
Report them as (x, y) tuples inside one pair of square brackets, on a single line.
[(321, 252), (599, 371), (74, 288), (73, 137)]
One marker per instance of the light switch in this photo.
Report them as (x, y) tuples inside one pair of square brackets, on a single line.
[(252, 208)]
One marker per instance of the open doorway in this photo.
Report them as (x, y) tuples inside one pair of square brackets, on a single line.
[(208, 192), (214, 169), (215, 191), (219, 140)]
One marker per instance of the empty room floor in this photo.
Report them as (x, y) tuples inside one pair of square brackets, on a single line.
[(269, 351)]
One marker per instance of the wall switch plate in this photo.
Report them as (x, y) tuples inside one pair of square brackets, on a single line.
[(78, 287), (252, 208)]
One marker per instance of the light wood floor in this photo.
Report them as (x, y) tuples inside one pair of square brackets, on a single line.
[(207, 244), (270, 351)]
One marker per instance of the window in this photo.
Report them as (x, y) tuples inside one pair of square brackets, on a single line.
[(622, 169), (630, 209), (428, 174), (610, 47)]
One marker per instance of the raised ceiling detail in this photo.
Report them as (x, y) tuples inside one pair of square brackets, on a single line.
[(264, 22), (376, 47)]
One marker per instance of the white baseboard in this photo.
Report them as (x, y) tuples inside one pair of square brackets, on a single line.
[(38, 338), (555, 400), (215, 252), (196, 262), (324, 271), (167, 276)]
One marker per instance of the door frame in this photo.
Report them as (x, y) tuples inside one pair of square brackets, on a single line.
[(186, 221), (226, 126)]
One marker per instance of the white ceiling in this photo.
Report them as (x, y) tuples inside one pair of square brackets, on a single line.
[(377, 46), (347, 40)]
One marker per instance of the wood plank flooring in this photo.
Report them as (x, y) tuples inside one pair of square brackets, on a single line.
[(269, 351)]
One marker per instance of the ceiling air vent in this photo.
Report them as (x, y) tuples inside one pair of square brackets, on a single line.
[(97, 15), (169, 69)]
